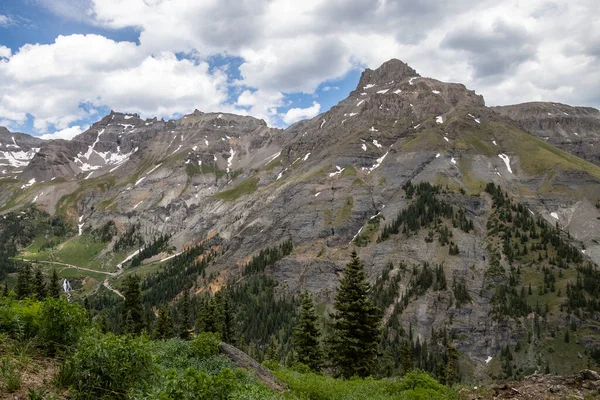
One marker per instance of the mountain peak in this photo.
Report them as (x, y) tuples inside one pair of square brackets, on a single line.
[(392, 70)]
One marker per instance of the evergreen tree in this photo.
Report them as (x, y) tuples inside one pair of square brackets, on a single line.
[(164, 324), (272, 350), (132, 310), (228, 325), (25, 286), (406, 357), (306, 338), (40, 285), (184, 329), (54, 287), (355, 341)]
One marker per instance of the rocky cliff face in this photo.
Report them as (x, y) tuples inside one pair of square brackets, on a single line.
[(332, 183), (16, 151), (573, 129)]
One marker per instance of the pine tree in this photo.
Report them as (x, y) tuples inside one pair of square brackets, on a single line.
[(228, 325), (184, 329), (354, 344), (406, 357), (164, 324), (40, 285), (133, 310), (272, 350), (25, 287), (54, 287), (306, 338)]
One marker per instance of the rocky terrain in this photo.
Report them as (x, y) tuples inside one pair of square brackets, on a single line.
[(333, 182), (573, 129)]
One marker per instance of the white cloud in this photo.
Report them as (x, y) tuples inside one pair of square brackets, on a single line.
[(67, 133), (296, 114), (93, 70), (542, 51), (4, 20), (329, 88), (5, 52)]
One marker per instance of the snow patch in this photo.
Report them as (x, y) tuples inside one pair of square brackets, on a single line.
[(230, 159), (377, 164), (359, 103), (306, 157), (506, 160), (495, 144), (372, 129), (437, 155), (439, 119), (339, 171), (322, 123), (377, 144), (28, 184), (89, 175), (136, 206), (435, 91), (369, 86), (453, 161), (384, 91), (317, 194), (274, 156), (364, 147), (554, 215), (128, 116), (410, 81), (445, 138), (487, 360), (398, 91)]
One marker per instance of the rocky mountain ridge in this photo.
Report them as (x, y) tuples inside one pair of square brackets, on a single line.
[(332, 184)]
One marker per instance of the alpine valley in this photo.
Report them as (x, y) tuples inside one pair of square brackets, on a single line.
[(475, 224)]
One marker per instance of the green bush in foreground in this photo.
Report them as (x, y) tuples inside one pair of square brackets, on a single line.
[(61, 323), (109, 366)]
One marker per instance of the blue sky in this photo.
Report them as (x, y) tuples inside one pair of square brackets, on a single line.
[(65, 63)]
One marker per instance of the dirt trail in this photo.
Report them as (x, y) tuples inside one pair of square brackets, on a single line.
[(70, 266)]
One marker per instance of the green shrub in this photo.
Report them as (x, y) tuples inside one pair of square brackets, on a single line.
[(178, 354), (109, 366), (206, 344), (61, 323), (196, 385), (20, 319)]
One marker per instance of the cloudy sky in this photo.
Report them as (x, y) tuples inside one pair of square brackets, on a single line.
[(65, 63)]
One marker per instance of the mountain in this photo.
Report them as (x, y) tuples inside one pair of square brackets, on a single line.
[(573, 129), (470, 223), (16, 151)]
